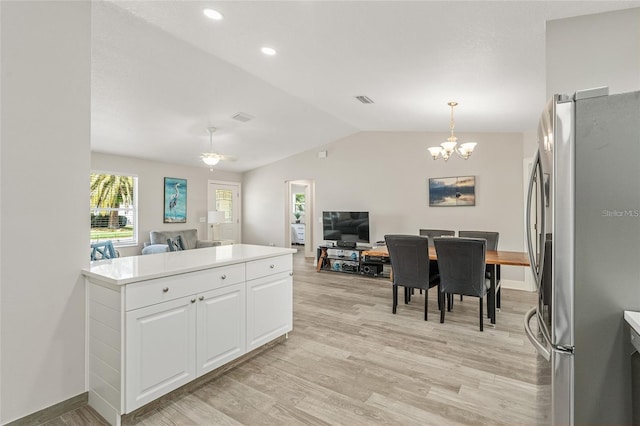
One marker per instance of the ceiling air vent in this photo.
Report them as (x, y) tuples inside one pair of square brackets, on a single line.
[(364, 99), (241, 116)]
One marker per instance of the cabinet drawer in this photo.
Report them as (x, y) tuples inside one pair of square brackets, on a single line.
[(270, 266), (150, 292)]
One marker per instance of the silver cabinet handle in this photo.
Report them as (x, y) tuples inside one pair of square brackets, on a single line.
[(193, 300), (272, 266), (224, 277), (166, 289), (201, 298)]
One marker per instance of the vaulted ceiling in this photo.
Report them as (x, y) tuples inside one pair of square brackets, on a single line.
[(162, 72)]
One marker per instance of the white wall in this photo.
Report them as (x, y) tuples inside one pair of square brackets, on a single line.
[(386, 174), (44, 164), (530, 142), (594, 50), (151, 176)]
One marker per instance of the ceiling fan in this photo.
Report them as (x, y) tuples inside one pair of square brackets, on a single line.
[(212, 158)]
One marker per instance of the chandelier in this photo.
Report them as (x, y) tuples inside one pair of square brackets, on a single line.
[(451, 145)]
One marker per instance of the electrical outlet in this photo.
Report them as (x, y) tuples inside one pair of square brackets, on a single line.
[(203, 219)]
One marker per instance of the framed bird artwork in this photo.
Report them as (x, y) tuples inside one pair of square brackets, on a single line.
[(175, 200)]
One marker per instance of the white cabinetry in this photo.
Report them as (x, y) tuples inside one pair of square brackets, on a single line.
[(297, 233), (269, 300), (151, 336), (161, 346), (221, 327), (173, 342)]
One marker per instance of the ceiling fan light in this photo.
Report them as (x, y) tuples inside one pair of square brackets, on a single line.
[(210, 159)]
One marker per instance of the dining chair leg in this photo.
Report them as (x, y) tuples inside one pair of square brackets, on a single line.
[(407, 295), (449, 301), (426, 303), (491, 307), (439, 301), (481, 316), (488, 308), (395, 298), (499, 288), (441, 296)]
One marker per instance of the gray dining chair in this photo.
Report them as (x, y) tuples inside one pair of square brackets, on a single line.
[(409, 256), (431, 234), (462, 270), (492, 244), (491, 237)]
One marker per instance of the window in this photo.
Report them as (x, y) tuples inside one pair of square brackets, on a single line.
[(113, 208), (224, 203), (298, 205)]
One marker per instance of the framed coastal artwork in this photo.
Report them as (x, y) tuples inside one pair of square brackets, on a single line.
[(175, 200), (452, 191)]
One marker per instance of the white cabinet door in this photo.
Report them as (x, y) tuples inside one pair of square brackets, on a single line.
[(269, 308), (221, 327), (160, 350)]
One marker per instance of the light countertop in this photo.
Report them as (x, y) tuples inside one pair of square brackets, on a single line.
[(125, 270), (633, 319)]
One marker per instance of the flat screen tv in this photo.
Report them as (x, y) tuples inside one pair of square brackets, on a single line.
[(346, 226)]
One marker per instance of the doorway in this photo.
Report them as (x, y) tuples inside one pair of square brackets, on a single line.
[(299, 208), (225, 197)]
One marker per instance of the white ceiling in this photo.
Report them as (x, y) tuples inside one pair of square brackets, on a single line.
[(162, 72)]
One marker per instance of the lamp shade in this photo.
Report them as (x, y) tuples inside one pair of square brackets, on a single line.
[(211, 159), (215, 216)]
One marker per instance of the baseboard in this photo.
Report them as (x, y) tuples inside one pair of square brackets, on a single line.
[(50, 413), (514, 285)]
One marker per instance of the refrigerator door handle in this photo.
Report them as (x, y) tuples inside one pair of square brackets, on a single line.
[(540, 347), (535, 269)]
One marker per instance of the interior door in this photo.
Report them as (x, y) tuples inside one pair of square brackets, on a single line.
[(225, 197)]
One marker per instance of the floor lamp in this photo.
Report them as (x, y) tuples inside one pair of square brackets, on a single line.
[(214, 218)]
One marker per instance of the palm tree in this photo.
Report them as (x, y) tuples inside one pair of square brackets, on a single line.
[(111, 191)]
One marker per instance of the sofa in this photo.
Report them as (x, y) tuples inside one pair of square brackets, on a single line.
[(158, 241)]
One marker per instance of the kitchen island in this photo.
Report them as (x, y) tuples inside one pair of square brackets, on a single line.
[(157, 322)]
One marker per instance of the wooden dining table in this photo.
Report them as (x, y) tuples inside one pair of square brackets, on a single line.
[(494, 258)]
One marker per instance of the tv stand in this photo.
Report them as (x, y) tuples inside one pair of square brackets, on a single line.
[(351, 261)]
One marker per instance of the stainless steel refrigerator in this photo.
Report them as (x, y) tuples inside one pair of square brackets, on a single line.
[(584, 245)]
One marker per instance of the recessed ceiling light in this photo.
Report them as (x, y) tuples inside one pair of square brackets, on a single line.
[(268, 51), (212, 14)]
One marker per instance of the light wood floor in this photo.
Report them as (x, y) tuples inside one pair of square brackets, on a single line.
[(350, 361)]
